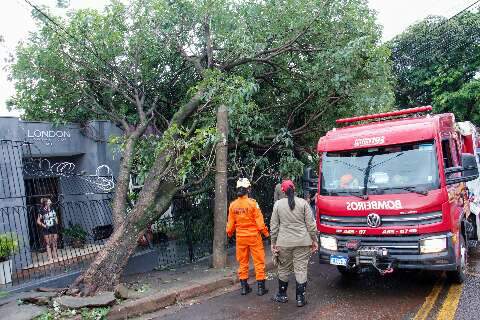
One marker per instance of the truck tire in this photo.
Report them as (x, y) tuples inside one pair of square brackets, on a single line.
[(472, 239), (458, 276), (347, 272)]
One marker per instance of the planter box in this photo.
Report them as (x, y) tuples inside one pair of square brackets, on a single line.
[(6, 272)]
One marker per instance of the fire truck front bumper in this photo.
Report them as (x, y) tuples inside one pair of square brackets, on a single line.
[(388, 253)]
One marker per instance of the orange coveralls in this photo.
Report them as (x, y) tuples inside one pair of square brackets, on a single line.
[(245, 217)]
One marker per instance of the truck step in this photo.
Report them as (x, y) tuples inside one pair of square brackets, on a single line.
[(472, 243)]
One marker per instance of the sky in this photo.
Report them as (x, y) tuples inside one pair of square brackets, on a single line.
[(16, 23)]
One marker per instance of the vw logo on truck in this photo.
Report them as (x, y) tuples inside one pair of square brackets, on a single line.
[(374, 220)]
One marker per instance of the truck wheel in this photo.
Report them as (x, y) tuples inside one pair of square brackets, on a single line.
[(458, 276), (347, 272), (472, 238)]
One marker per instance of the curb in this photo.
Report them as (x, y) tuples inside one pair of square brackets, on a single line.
[(145, 305), (159, 301), (196, 291)]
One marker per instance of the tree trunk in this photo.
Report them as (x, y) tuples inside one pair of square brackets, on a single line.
[(119, 205), (105, 271), (220, 213), (153, 200)]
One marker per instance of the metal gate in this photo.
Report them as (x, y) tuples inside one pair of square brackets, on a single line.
[(82, 204)]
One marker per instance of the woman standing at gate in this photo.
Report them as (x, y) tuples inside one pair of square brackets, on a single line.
[(294, 237), (48, 221)]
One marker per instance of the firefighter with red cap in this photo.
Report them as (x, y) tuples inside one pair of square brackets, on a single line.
[(246, 220), (294, 238)]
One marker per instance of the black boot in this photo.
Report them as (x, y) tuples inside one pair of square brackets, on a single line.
[(301, 294), (245, 287), (281, 296), (261, 288)]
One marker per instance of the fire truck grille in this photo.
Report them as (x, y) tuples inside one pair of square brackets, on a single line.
[(394, 245), (414, 219)]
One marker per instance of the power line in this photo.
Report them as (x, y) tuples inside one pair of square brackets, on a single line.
[(464, 10), (456, 7), (423, 50), (64, 53), (92, 51), (62, 36), (444, 22)]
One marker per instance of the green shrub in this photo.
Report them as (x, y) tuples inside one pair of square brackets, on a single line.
[(8, 245), (95, 313), (75, 232)]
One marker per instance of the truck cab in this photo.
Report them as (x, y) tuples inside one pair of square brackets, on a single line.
[(392, 194)]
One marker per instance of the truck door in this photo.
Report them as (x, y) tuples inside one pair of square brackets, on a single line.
[(463, 186), (455, 193)]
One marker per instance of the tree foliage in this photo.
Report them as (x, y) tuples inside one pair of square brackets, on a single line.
[(286, 69), (437, 61)]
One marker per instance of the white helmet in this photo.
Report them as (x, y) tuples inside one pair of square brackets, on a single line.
[(243, 182)]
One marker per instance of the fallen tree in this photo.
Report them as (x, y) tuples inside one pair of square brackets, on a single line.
[(160, 69)]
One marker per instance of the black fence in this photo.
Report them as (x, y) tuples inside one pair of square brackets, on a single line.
[(185, 233)]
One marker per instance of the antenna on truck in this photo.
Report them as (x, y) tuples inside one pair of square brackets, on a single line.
[(385, 115)]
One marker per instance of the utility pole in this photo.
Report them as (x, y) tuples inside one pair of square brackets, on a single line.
[(220, 213)]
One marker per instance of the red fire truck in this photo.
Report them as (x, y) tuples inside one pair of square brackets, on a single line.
[(392, 193)]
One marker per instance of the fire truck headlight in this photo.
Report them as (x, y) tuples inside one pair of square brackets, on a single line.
[(329, 243), (433, 244)]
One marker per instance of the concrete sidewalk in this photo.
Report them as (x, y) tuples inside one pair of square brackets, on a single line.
[(141, 293), (158, 289)]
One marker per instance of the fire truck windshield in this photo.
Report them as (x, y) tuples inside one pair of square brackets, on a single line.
[(401, 168)]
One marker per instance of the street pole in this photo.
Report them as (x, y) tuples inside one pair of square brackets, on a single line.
[(220, 213)]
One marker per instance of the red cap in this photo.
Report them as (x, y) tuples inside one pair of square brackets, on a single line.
[(287, 184)]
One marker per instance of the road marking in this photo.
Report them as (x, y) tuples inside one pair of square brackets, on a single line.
[(447, 312), (430, 300)]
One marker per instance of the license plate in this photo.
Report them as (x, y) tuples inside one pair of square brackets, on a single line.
[(373, 252), (338, 260), (370, 252)]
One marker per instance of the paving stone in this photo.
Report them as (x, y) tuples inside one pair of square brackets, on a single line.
[(24, 295), (121, 291), (102, 299), (38, 298), (17, 311)]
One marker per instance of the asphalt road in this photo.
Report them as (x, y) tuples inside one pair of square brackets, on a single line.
[(401, 295)]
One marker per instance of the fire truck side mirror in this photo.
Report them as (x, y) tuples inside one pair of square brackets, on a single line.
[(309, 180), (453, 170), (469, 170)]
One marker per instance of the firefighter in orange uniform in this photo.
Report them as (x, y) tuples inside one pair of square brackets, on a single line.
[(246, 219)]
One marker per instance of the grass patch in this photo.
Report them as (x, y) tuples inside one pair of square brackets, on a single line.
[(87, 314)]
